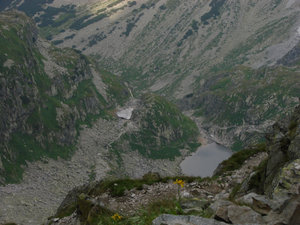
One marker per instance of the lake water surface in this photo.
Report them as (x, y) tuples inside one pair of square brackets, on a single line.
[(203, 162)]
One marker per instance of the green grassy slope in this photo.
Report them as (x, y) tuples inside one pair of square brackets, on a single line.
[(164, 131)]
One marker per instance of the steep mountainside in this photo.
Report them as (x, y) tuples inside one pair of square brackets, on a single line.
[(185, 49), (237, 106), (160, 38), (46, 93)]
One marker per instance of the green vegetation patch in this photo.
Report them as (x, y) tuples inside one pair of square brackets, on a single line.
[(63, 14), (257, 181), (91, 213), (117, 188), (215, 5), (101, 216), (116, 88), (221, 84), (172, 4), (85, 21), (164, 131), (242, 95), (43, 132), (27, 148), (31, 7), (237, 160), (116, 2), (10, 37)]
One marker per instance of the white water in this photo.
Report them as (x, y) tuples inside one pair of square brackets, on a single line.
[(203, 162)]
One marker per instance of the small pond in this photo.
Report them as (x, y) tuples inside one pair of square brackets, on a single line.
[(205, 160)]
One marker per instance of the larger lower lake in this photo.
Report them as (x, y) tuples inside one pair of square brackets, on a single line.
[(203, 162)]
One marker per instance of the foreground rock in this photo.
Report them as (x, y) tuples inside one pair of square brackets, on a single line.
[(184, 220)]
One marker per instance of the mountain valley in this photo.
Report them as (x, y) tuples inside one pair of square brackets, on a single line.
[(96, 91)]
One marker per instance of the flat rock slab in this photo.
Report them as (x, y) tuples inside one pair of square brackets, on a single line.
[(167, 219), (244, 215), (259, 203)]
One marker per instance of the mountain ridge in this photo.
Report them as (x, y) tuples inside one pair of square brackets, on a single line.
[(177, 49)]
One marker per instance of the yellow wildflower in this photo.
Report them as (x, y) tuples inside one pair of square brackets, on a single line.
[(116, 217), (179, 182)]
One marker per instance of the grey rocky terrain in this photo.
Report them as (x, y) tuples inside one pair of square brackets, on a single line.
[(264, 190), (232, 67), (46, 183)]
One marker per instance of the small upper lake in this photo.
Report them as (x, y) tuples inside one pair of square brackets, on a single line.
[(203, 162)]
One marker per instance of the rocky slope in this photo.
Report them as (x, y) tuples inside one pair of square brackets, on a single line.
[(237, 106), (46, 93), (189, 50), (63, 124), (251, 193), (233, 65)]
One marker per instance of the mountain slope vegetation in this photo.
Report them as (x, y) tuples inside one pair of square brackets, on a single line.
[(177, 48), (43, 100), (232, 66)]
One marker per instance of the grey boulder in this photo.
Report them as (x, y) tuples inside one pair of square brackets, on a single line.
[(167, 219)]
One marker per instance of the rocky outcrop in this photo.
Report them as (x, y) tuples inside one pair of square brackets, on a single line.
[(184, 220), (283, 146), (278, 177), (234, 214), (292, 57)]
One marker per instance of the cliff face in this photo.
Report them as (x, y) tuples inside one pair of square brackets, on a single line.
[(45, 94), (276, 179), (282, 146), (284, 152)]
